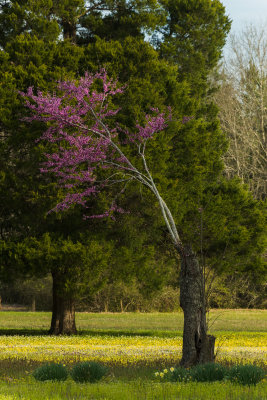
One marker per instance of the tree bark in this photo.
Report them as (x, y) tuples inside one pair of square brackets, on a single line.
[(69, 31), (198, 347), (33, 306), (63, 311)]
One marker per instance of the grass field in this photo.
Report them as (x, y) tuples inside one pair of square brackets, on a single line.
[(134, 346), (219, 320)]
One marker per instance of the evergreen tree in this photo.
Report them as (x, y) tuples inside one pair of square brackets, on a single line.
[(78, 20), (33, 58), (193, 38), (80, 122), (44, 42)]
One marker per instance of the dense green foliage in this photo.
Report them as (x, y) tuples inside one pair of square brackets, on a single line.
[(193, 38), (38, 62), (51, 372), (88, 372), (211, 372), (42, 42), (246, 374), (208, 372)]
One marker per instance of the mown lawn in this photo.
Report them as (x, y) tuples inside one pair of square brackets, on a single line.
[(219, 320), (134, 346)]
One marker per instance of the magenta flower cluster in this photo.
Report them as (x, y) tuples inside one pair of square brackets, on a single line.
[(78, 118)]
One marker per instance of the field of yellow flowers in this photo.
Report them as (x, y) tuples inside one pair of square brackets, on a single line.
[(235, 347), (134, 346)]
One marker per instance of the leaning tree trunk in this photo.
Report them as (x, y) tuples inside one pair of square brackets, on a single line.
[(198, 347), (63, 312)]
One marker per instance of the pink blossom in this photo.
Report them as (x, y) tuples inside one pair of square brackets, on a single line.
[(77, 119)]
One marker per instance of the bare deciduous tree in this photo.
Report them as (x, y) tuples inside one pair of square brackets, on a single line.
[(242, 100)]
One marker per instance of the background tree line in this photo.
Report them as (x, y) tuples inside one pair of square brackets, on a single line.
[(228, 291)]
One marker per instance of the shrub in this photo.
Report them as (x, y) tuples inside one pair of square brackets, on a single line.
[(246, 374), (88, 372), (51, 372), (209, 372)]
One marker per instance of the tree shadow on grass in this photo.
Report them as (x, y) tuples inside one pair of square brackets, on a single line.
[(93, 332), (23, 332)]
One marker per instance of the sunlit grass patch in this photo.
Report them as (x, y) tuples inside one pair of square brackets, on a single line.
[(136, 390), (219, 320)]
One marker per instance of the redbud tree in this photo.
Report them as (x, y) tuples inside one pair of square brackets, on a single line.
[(80, 122), (78, 119)]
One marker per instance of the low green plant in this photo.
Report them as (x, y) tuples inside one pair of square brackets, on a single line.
[(209, 372), (177, 374), (51, 372), (246, 374), (88, 371)]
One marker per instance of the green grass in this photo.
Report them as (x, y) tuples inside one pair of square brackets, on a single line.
[(129, 323), (137, 390), (238, 329)]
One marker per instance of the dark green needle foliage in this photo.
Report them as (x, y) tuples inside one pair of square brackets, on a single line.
[(45, 41)]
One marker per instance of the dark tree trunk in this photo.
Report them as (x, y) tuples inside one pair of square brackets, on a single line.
[(69, 31), (63, 312), (54, 328), (33, 307), (198, 347)]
